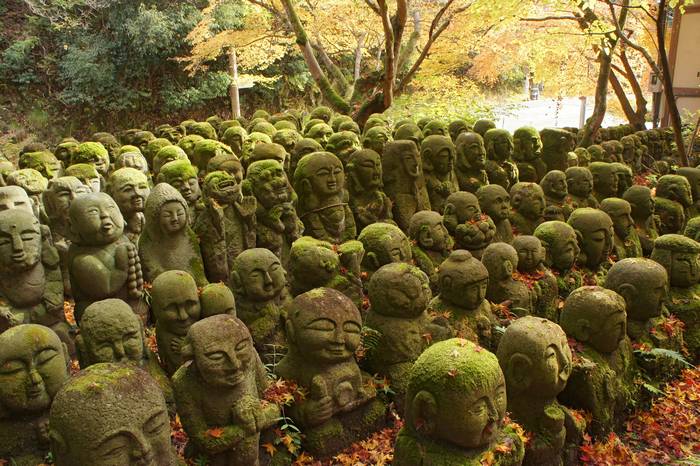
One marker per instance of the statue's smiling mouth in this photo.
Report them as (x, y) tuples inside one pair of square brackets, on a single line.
[(226, 184)]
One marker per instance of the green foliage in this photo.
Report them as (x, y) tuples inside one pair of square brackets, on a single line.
[(205, 87), (17, 62), (229, 15)]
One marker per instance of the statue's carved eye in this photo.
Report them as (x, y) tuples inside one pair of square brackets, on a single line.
[(46, 355), (156, 424), (12, 367), (216, 355)]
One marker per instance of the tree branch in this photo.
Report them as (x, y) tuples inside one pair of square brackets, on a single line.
[(389, 65), (331, 67), (550, 18), (373, 6), (627, 41)]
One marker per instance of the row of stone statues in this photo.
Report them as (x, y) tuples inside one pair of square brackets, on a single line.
[(453, 260)]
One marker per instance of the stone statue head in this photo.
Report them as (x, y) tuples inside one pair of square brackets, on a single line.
[(268, 182), (202, 128), (320, 132), (303, 147), (456, 395), (182, 175), (457, 127), (535, 358), (234, 138), (692, 229), (620, 212), (206, 149), (643, 283), (322, 113), (221, 187), (463, 279), (28, 179), (595, 316), (175, 302), (530, 251), (166, 212), (409, 132), (494, 201), (501, 260), (132, 159), (65, 150), (597, 153), (499, 144), (271, 151), (343, 144), (680, 256), (527, 144), (641, 201), (215, 299), (560, 243), (624, 177), (287, 138), (438, 155), (676, 188), (318, 176), (59, 196), (250, 142), (384, 243), (364, 171), (436, 128), (693, 177), (481, 126), (87, 174), (528, 200), (14, 197), (153, 148), (258, 275), (427, 229), (594, 230), (402, 156), (375, 138), (228, 163), (604, 179), (93, 153), (167, 154), (129, 188), (264, 127), (95, 220), (461, 207), (44, 162), (312, 263), (670, 215), (554, 185), (399, 290), (110, 414), (471, 153), (579, 181), (33, 366)]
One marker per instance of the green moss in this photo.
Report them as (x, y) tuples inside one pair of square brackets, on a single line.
[(89, 152)]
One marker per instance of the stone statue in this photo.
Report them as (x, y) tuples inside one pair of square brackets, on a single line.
[(579, 184), (383, 244), (319, 181), (481, 126), (226, 226), (131, 159), (527, 153), (44, 162), (34, 184), (343, 144), (110, 414), (470, 229), (408, 132), (495, 202), (323, 331), (669, 216), (501, 261), (471, 161), (93, 153), (403, 180), (625, 241), (603, 378), (168, 242), (436, 128), (129, 188), (259, 282), (561, 252), (221, 387), (455, 408), (528, 203), (34, 366), (320, 133), (499, 150), (642, 211), (278, 225), (536, 360), (376, 138), (675, 188), (215, 299), (14, 197), (438, 155), (303, 147), (182, 175), (457, 127), (624, 177), (693, 177), (556, 194), (604, 180), (165, 155), (594, 230), (368, 201), (431, 242), (87, 174), (175, 306), (556, 144), (234, 138), (533, 272)]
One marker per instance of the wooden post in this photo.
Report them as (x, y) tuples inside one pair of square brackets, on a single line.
[(233, 90)]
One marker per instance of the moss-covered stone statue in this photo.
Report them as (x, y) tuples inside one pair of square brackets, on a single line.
[(111, 332), (343, 144), (221, 387), (594, 230), (368, 201), (131, 159), (93, 153), (153, 148), (470, 163), (457, 127), (561, 252), (260, 285), (102, 262), (87, 174), (182, 175), (44, 162), (604, 180), (168, 242), (556, 194), (527, 203), (536, 360), (556, 144), (408, 132), (495, 202), (676, 188), (692, 229), (278, 225), (501, 261), (669, 215), (34, 184), (624, 177), (455, 410), (33, 366), (438, 156), (323, 331), (461, 305), (404, 182), (226, 225), (319, 181), (383, 244), (482, 125), (431, 242), (303, 147), (321, 133), (14, 197), (175, 306), (376, 138), (129, 188), (579, 184), (533, 272), (527, 153), (602, 381), (470, 229), (165, 155), (693, 177), (215, 299), (500, 168), (110, 414), (680, 256), (625, 241)]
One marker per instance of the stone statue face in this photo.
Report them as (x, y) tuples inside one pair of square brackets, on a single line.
[(130, 194), (532, 203), (172, 217), (188, 187), (375, 138), (463, 280), (597, 245), (555, 185), (271, 186), (344, 144), (43, 162), (178, 308), (605, 181), (466, 209), (502, 147), (395, 248), (96, 219), (261, 274), (407, 300), (685, 269), (410, 160), (530, 144), (33, 366), (20, 241), (112, 333), (30, 180), (579, 183), (609, 330), (495, 203), (437, 237), (367, 168), (222, 186), (59, 196), (530, 252), (326, 176), (443, 162), (328, 334), (621, 215), (320, 133), (14, 197), (565, 250), (473, 153)]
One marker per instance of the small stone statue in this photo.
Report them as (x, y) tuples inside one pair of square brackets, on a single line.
[(625, 241), (693, 177), (93, 153), (471, 161), (536, 360), (527, 153), (603, 378), (303, 147), (670, 216), (259, 283), (323, 331), (536, 276), (102, 262), (556, 144), (221, 387), (674, 188), (528, 203), (168, 242), (579, 183), (110, 414), (367, 200), (215, 299), (34, 184), (44, 162), (561, 252), (556, 194), (470, 229), (604, 180), (438, 155), (624, 177), (319, 181), (383, 243), (431, 242), (14, 197), (343, 144), (594, 230), (495, 202), (175, 305), (129, 188), (642, 211), (501, 261), (499, 150), (34, 365), (182, 175), (87, 174), (403, 181), (226, 226), (456, 376), (376, 138)]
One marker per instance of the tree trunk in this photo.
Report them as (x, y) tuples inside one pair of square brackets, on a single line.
[(233, 89), (641, 102), (622, 98)]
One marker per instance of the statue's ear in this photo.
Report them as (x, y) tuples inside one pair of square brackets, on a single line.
[(519, 371), (583, 330), (372, 260), (187, 351), (424, 412), (446, 283), (305, 187), (449, 210), (289, 331), (81, 349), (59, 447), (66, 354), (236, 281), (425, 157), (627, 291), (515, 201)]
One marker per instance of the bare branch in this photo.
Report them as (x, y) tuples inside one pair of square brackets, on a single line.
[(389, 65), (373, 6), (330, 66), (550, 18), (627, 41)]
